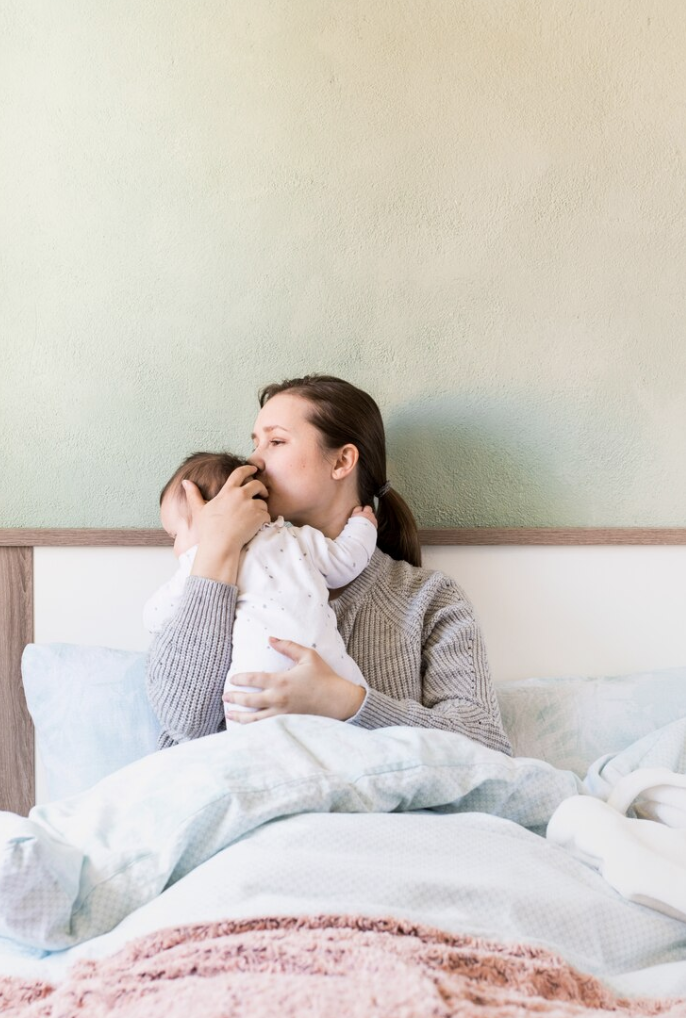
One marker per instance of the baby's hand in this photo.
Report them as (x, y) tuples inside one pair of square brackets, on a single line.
[(367, 512)]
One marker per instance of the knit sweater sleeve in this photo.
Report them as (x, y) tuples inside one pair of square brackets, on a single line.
[(188, 662), (457, 693)]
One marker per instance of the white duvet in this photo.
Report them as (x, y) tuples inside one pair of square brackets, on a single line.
[(304, 815)]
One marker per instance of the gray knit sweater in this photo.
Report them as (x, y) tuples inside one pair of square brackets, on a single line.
[(411, 631)]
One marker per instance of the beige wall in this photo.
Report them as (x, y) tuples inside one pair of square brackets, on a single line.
[(474, 209)]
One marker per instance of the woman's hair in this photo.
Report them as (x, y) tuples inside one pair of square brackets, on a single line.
[(345, 414), (208, 470)]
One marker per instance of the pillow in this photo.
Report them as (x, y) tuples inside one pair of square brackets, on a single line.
[(90, 711), (92, 715), (571, 722), (662, 748)]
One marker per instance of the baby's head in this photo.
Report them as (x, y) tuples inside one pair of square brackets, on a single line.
[(209, 471)]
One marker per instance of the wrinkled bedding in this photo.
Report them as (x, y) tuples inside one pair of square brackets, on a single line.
[(74, 868), (303, 816)]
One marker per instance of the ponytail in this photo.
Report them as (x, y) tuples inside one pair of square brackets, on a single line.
[(398, 535)]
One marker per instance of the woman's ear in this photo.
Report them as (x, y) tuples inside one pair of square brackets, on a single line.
[(345, 462)]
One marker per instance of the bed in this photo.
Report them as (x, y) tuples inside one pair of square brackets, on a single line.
[(306, 867)]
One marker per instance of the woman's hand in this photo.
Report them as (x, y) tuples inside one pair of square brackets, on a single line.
[(226, 523), (309, 687)]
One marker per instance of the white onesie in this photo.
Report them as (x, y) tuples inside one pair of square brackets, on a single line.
[(284, 576)]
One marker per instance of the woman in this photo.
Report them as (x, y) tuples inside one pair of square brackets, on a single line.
[(319, 451)]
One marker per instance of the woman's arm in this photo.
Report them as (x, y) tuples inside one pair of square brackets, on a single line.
[(189, 660), (457, 692)]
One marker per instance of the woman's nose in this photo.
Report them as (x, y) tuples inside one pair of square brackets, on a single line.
[(255, 460)]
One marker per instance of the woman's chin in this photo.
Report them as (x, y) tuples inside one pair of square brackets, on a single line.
[(274, 511)]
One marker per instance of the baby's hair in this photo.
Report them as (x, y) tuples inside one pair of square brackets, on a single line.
[(208, 470)]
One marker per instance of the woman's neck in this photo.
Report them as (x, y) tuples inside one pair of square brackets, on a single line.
[(331, 523), (332, 516)]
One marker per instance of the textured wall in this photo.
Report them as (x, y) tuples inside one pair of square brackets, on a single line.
[(473, 208)]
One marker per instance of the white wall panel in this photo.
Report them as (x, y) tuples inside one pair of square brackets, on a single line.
[(544, 610), (96, 595), (574, 611)]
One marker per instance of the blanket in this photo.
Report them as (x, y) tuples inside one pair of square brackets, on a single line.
[(642, 855), (75, 868), (313, 967)]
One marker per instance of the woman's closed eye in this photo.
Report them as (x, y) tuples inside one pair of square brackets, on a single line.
[(271, 441)]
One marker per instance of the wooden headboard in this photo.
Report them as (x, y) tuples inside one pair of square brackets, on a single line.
[(17, 760)]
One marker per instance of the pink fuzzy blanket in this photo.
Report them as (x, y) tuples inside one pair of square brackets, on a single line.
[(340, 966)]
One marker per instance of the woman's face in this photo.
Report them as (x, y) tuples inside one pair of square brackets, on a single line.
[(294, 467)]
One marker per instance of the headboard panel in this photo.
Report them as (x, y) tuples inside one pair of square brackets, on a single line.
[(16, 630), (17, 596)]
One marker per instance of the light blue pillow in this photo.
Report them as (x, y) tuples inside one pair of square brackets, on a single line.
[(570, 722), (90, 711), (92, 715)]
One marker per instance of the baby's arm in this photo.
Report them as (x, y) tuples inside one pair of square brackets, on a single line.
[(367, 513), (163, 604), (341, 560)]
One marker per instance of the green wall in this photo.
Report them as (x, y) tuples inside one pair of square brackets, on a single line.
[(475, 209)]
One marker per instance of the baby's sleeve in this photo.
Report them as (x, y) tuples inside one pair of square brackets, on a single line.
[(340, 560), (162, 605)]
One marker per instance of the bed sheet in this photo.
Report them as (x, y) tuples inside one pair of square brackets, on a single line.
[(464, 873)]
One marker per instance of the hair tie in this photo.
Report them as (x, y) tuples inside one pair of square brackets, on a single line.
[(385, 487)]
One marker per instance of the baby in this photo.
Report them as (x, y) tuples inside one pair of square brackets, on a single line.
[(284, 576)]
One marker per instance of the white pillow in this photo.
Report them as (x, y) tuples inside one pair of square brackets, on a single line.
[(570, 722)]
